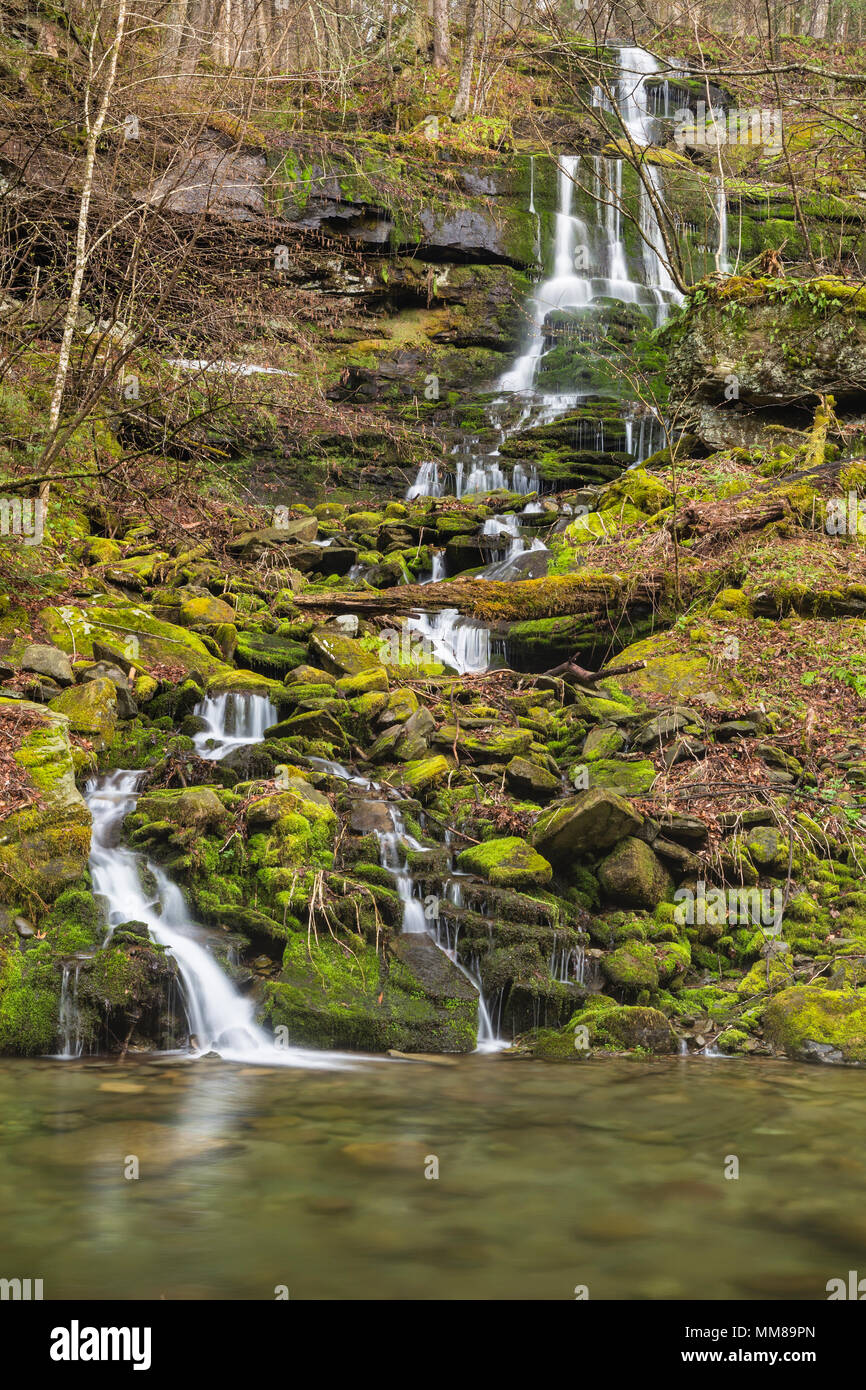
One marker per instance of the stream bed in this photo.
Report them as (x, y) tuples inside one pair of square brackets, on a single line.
[(606, 1174)]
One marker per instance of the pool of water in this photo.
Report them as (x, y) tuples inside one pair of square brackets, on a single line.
[(609, 1174)]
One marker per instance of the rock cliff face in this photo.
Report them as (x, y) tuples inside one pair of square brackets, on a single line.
[(753, 354)]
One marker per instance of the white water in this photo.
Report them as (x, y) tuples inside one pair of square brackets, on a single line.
[(393, 859), (71, 1041), (428, 482), (415, 921), (632, 99), (220, 1018), (232, 722), (457, 642), (588, 263)]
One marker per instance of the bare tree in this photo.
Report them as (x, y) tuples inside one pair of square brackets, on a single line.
[(93, 126), (441, 35), (464, 85)]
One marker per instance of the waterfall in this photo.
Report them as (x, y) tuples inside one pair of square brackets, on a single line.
[(134, 888), (488, 1039), (428, 483), (635, 65), (232, 721), (393, 859), (71, 1042), (564, 289), (506, 528), (587, 263), (457, 642)]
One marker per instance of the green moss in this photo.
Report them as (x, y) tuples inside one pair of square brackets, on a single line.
[(818, 1024), (508, 863)]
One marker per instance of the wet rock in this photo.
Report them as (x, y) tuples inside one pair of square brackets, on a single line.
[(367, 816)]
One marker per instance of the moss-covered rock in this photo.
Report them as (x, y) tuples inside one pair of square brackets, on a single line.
[(632, 968), (818, 1025), (44, 848), (346, 995), (592, 821), (508, 863), (529, 779), (632, 875), (91, 709)]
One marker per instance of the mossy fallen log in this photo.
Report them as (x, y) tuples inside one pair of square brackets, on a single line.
[(589, 592)]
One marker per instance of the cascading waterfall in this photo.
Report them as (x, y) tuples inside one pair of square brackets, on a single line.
[(392, 857), (71, 1041), (721, 212), (232, 721), (134, 888), (588, 263), (458, 642), (632, 96), (428, 482), (394, 860)]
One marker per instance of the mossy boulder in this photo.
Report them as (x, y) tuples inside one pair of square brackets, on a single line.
[(412, 998), (623, 1027), (376, 678), (339, 654), (199, 608), (44, 848), (508, 863), (585, 824), (675, 675), (633, 876), (91, 709), (425, 772), (134, 629), (626, 778), (269, 654), (631, 968), (529, 779), (818, 1025)]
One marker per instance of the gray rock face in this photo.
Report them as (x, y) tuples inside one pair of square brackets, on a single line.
[(216, 180), (48, 661)]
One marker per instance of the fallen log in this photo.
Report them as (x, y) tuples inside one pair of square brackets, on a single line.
[(491, 601)]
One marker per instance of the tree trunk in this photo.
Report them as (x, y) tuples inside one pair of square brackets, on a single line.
[(441, 35), (464, 86), (94, 130)]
